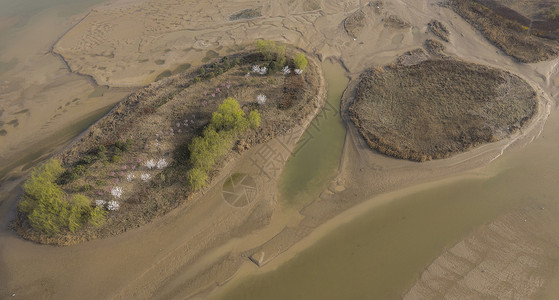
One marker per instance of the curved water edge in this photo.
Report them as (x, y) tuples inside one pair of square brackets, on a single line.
[(378, 249), (316, 157)]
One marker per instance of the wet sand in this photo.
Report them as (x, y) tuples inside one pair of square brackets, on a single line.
[(191, 251)]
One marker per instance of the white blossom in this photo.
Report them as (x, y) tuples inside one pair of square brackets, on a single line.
[(261, 99), (113, 205), (130, 176), (162, 163), (259, 70), (298, 71), (145, 176), (116, 191), (150, 164), (285, 70), (100, 202)]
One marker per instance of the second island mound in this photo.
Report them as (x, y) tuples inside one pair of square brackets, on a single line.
[(438, 108)]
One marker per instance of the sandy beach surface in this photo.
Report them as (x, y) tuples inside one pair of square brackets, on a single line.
[(205, 247)]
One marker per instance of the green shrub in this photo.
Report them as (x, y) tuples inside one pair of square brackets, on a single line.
[(46, 206), (115, 158), (300, 61), (254, 119), (197, 178), (97, 216)]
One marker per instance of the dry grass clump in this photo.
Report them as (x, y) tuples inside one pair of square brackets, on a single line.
[(396, 22), (434, 47), (412, 57), (354, 23), (507, 31), (438, 29), (437, 108)]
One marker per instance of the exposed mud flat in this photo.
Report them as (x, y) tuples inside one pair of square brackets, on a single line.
[(513, 257)]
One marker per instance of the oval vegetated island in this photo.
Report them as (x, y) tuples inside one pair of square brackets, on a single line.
[(163, 143), (437, 108)]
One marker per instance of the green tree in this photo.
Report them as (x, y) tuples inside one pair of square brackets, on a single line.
[(230, 117), (217, 138), (300, 61), (46, 206), (271, 51)]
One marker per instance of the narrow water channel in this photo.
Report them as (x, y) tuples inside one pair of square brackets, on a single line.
[(381, 253), (317, 154)]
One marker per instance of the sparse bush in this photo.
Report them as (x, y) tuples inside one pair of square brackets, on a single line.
[(552, 13), (300, 61), (123, 146), (115, 158), (88, 159)]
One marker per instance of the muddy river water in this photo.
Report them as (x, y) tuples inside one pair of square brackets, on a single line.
[(381, 253)]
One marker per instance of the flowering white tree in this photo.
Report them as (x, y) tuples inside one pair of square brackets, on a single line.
[(259, 70), (145, 177), (261, 99), (116, 191), (285, 70), (150, 164), (162, 163), (100, 202), (298, 71), (130, 176), (113, 205)]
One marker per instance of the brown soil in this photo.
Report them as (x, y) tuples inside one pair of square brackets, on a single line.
[(438, 108), (508, 30), (154, 120), (438, 29), (354, 23)]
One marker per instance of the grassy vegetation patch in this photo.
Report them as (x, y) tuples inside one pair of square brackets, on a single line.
[(181, 68), (163, 74), (245, 14), (508, 30), (439, 107), (210, 54)]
